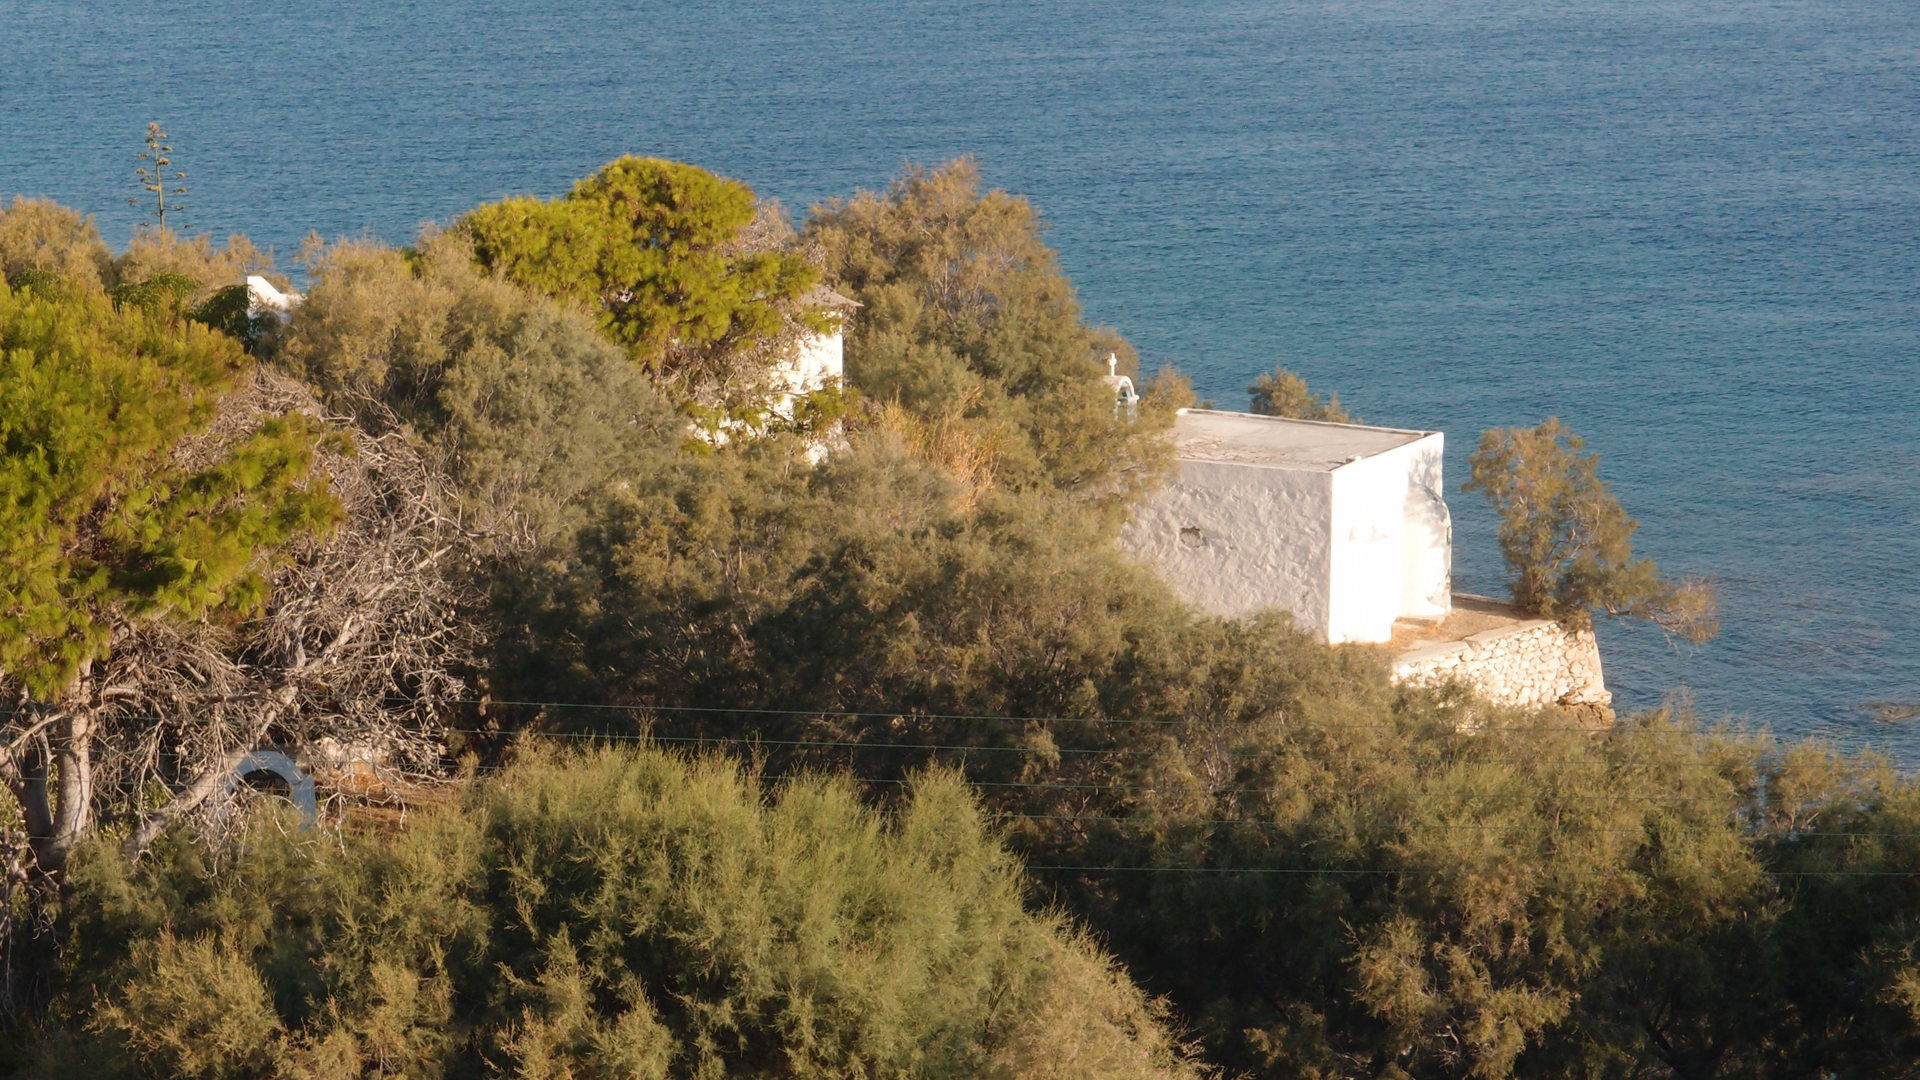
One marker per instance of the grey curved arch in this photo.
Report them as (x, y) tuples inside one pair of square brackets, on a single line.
[(299, 784)]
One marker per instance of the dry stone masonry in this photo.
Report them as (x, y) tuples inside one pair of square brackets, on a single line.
[(1526, 664)]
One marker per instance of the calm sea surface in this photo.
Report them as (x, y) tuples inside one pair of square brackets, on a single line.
[(1688, 228)]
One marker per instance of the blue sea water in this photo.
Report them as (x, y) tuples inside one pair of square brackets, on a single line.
[(1687, 227)]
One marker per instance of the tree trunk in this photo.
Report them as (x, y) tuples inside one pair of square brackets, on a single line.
[(27, 779), (73, 813), (52, 779)]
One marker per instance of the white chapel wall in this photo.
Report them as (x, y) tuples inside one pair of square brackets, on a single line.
[(1427, 573), (1368, 548), (819, 362), (1235, 539), (821, 358), (1392, 542)]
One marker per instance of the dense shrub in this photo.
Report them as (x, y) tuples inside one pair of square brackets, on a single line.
[(608, 914), (746, 578), (48, 246), (683, 269), (968, 319), (153, 252), (40, 235), (525, 405)]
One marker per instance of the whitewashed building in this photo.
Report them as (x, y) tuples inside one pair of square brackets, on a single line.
[(1341, 524), (263, 297), (816, 361), (820, 360)]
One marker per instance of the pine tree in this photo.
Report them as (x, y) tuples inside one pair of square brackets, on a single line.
[(115, 506), (655, 250)]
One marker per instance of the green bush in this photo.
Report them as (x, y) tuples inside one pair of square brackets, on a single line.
[(1284, 393), (41, 235), (969, 319), (1568, 544), (661, 253), (159, 251), (607, 914), (523, 403), (864, 565)]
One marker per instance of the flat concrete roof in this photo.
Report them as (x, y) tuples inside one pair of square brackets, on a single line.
[(1249, 439)]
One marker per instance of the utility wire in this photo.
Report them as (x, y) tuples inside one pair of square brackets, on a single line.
[(912, 715), (1284, 751)]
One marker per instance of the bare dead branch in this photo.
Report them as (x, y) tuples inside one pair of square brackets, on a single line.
[(360, 650)]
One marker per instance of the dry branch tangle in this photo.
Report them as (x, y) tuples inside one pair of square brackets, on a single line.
[(362, 646)]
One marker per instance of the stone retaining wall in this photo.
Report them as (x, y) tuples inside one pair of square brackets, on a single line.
[(1528, 664)]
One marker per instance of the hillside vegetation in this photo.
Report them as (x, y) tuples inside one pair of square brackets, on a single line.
[(850, 747), (623, 914)]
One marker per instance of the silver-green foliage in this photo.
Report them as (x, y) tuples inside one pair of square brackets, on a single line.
[(611, 914), (525, 404), (1284, 393), (969, 321)]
